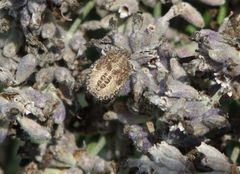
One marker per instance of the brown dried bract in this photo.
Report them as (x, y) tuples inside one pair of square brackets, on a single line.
[(109, 74)]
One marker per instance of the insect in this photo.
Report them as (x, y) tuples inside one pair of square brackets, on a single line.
[(109, 74), (126, 62)]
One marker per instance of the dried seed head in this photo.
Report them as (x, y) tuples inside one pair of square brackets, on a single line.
[(40, 135), (169, 156), (214, 159), (186, 11), (26, 67), (48, 30), (109, 74), (5, 24), (231, 26)]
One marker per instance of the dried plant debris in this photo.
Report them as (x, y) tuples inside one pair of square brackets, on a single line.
[(65, 156), (105, 86)]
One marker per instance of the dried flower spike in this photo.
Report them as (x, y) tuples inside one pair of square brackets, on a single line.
[(109, 74)]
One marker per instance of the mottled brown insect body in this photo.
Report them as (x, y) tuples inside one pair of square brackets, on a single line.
[(109, 74)]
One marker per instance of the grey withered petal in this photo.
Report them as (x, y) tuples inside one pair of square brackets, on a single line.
[(37, 133), (13, 44), (191, 14), (5, 4), (9, 64), (48, 30), (168, 156), (230, 25), (5, 23), (94, 164), (44, 76), (162, 25), (177, 71), (29, 104), (68, 138), (65, 153), (64, 77), (213, 2), (109, 4), (139, 137), (39, 99), (26, 67), (193, 109), (212, 43), (10, 111), (178, 89), (233, 70), (53, 93), (145, 35), (3, 100), (229, 57), (162, 102), (77, 43), (10, 49), (151, 36), (191, 113), (17, 4), (131, 24), (214, 159), (36, 8), (199, 64), (186, 11), (205, 35), (25, 17), (205, 124), (59, 113), (111, 115), (62, 152), (69, 56), (186, 50), (37, 112), (135, 38), (62, 157), (144, 79), (6, 77), (121, 40), (145, 165), (213, 119)]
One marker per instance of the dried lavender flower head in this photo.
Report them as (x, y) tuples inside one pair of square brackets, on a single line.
[(165, 91)]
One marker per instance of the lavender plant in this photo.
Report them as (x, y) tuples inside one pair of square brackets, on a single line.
[(106, 86)]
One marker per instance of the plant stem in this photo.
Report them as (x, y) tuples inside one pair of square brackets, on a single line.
[(88, 7)]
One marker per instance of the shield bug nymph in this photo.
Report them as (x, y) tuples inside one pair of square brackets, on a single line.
[(109, 74)]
